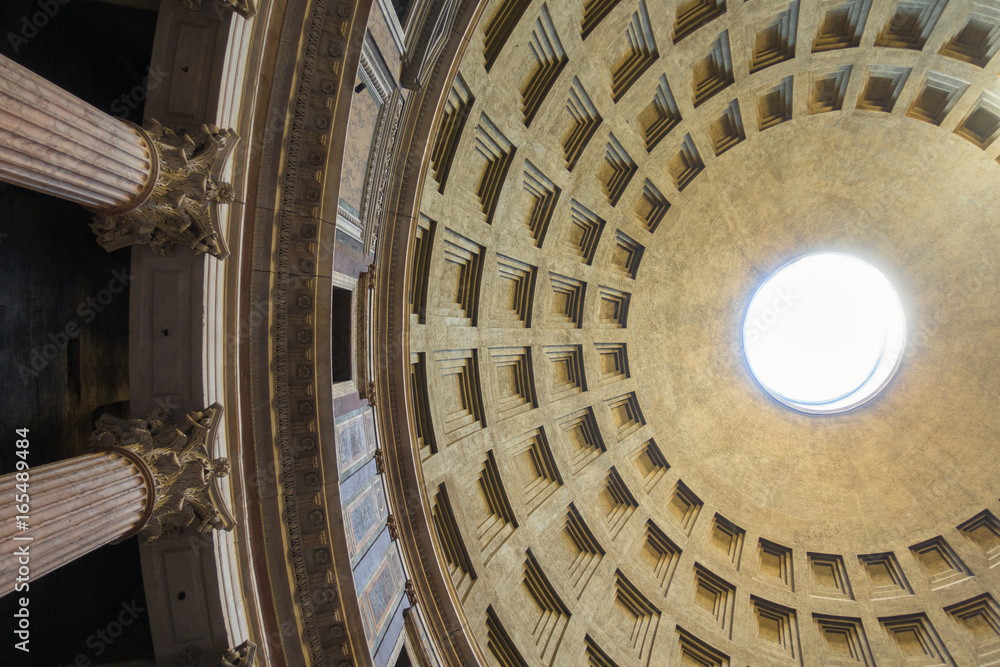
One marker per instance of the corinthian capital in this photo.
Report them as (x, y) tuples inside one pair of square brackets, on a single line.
[(177, 455), (245, 8), (182, 206)]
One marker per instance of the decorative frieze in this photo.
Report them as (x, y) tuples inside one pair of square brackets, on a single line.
[(320, 56)]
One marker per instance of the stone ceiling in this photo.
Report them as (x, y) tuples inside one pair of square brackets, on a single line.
[(609, 182)]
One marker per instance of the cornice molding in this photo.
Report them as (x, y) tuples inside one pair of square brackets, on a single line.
[(289, 252)]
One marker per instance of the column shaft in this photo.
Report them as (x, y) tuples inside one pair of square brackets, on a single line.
[(54, 142), (77, 505)]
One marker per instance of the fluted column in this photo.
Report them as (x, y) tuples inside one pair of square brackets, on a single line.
[(53, 142), (146, 477), (73, 507), (152, 185)]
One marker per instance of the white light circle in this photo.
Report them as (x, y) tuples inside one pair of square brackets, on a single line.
[(824, 333)]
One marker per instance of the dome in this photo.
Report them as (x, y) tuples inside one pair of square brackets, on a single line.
[(608, 184), (442, 335)]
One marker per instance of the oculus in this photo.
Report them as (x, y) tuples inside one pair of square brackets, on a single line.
[(824, 333)]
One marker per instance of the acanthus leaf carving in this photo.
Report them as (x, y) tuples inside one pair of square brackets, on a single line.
[(245, 8), (178, 457), (411, 592), (181, 208), (241, 656)]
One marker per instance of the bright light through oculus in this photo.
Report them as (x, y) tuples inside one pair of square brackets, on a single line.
[(824, 333)]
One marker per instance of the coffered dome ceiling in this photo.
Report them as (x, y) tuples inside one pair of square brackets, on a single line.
[(608, 184)]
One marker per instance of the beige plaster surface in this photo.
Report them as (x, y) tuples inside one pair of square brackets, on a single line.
[(917, 457)]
